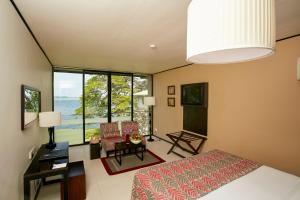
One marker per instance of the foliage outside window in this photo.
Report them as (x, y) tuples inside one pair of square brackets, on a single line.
[(95, 102)]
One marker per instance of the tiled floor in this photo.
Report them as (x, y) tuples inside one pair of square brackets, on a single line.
[(99, 184)]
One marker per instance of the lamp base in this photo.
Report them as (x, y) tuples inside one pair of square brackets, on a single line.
[(51, 144), (150, 139)]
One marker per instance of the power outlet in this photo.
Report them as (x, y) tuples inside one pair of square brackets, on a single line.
[(31, 153), (155, 130)]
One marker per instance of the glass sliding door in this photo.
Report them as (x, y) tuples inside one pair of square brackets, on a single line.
[(88, 98), (141, 88), (121, 97), (95, 102), (67, 93)]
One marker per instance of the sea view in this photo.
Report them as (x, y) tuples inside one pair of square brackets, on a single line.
[(71, 128), (67, 107)]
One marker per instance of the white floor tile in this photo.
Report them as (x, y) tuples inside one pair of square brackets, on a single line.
[(99, 185)]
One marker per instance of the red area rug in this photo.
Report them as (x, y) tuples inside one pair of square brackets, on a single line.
[(130, 162)]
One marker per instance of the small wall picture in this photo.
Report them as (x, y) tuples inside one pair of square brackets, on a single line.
[(171, 101), (171, 90)]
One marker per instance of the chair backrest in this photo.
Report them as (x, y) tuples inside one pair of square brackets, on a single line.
[(129, 127), (109, 130)]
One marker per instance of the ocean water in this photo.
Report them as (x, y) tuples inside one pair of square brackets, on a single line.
[(67, 107), (70, 120)]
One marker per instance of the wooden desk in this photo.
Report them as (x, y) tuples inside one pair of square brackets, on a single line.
[(186, 138), (41, 166)]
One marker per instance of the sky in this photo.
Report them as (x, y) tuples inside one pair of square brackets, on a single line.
[(67, 84)]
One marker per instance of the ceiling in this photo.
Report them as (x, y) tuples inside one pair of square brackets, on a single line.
[(115, 35)]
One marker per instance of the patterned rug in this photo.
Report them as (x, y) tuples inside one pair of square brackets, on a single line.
[(130, 162)]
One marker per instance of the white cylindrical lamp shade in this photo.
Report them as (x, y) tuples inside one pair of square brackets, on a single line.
[(228, 31), (49, 119), (149, 101)]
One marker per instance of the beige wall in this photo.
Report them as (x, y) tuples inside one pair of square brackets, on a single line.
[(21, 62), (254, 107)]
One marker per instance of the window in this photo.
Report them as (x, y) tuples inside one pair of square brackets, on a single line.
[(95, 103), (67, 93), (121, 98), (141, 88), (88, 98)]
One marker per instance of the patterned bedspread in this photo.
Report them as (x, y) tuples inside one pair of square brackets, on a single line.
[(190, 178)]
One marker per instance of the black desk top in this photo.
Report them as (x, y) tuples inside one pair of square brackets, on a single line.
[(60, 151), (43, 161)]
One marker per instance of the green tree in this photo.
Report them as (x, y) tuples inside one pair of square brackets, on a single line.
[(96, 99), (32, 101), (121, 95), (96, 96)]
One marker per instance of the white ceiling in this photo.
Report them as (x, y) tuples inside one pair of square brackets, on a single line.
[(115, 34)]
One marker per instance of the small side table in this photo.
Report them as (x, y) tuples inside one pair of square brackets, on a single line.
[(95, 150), (127, 149)]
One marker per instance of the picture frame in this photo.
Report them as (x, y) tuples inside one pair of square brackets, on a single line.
[(171, 101), (171, 90)]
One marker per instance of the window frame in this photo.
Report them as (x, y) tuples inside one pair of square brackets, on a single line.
[(109, 75)]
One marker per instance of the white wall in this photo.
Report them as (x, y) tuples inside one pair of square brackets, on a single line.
[(21, 62)]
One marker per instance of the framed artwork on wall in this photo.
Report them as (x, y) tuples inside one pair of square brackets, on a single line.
[(171, 101), (171, 90)]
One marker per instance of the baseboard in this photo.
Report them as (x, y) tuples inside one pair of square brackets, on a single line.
[(163, 139)]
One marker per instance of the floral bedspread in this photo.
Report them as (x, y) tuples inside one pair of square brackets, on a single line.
[(190, 178)]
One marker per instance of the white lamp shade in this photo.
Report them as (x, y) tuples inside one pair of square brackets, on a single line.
[(49, 119), (228, 31), (149, 101)]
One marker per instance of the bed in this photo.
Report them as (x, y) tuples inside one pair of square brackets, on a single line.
[(215, 175)]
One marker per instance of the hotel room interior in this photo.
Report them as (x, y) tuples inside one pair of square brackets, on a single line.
[(150, 99)]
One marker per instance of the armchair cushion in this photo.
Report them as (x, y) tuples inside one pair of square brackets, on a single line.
[(129, 127), (111, 134), (109, 130), (108, 144)]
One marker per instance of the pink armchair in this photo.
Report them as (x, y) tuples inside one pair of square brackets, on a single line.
[(130, 127), (110, 134)]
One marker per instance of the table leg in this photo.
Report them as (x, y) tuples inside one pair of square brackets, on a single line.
[(136, 151), (66, 184), (116, 156), (26, 189), (44, 181), (120, 158)]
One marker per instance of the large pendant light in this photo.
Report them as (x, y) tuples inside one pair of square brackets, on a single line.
[(228, 31)]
